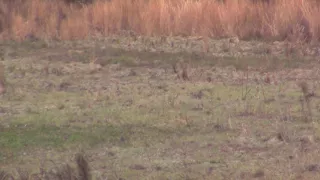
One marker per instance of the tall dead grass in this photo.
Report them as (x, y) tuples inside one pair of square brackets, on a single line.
[(297, 19)]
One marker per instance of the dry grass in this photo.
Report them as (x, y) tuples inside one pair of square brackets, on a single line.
[(61, 173), (2, 79), (306, 100), (284, 19), (136, 120)]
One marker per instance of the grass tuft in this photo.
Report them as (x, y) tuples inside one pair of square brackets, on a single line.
[(4, 175), (83, 167), (65, 172), (306, 100)]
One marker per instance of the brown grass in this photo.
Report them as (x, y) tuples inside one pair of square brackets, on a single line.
[(306, 100), (2, 79), (62, 173), (297, 19)]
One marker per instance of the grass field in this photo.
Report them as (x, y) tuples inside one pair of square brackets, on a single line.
[(162, 108)]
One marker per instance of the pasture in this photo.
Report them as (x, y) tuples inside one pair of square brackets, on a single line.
[(161, 108)]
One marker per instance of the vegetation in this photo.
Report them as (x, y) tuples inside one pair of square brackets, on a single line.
[(159, 90), (246, 19)]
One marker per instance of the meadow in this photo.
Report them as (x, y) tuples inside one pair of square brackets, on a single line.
[(159, 90)]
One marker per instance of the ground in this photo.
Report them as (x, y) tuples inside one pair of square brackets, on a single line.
[(162, 108)]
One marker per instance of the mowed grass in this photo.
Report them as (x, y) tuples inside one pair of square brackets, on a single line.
[(135, 119)]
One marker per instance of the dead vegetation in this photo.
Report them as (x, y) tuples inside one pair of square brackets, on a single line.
[(2, 79), (142, 116), (64, 172), (268, 20), (305, 100), (182, 70), (228, 109)]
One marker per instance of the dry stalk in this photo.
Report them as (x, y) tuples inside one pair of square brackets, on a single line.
[(182, 70), (2, 80), (24, 175), (93, 65), (230, 122), (4, 175), (306, 100), (247, 90), (45, 69), (184, 73), (65, 172), (62, 173), (175, 68), (83, 167), (172, 100), (205, 44)]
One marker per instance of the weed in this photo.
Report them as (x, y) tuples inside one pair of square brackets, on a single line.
[(175, 68), (83, 167), (185, 70), (45, 69), (245, 90), (23, 174), (4, 175), (61, 173), (2, 79), (306, 100), (258, 174), (182, 70), (206, 44), (94, 67)]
